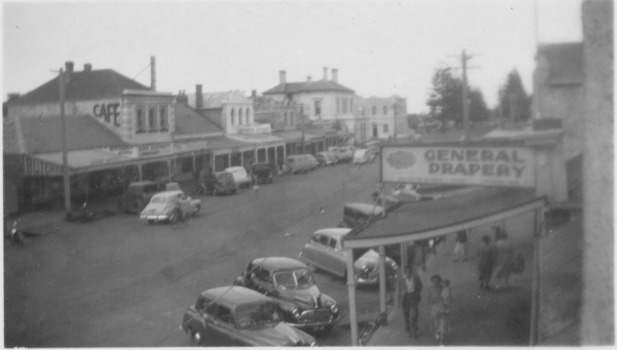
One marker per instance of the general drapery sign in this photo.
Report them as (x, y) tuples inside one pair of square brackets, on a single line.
[(473, 165)]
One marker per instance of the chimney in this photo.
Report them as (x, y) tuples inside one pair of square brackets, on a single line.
[(253, 93), (282, 79), (325, 73), (199, 97), (335, 75), (68, 67), (13, 96), (152, 73), (308, 78), (182, 98), (87, 67)]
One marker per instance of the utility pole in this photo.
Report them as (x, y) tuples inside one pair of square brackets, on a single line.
[(302, 124), (464, 58), (65, 166)]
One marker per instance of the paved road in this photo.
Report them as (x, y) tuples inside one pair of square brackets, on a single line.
[(120, 283)]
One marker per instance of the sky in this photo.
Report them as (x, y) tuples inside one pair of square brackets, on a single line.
[(380, 48)]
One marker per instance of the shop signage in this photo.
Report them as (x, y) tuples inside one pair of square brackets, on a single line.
[(39, 167), (190, 146), (255, 129), (154, 149), (107, 112), (477, 165)]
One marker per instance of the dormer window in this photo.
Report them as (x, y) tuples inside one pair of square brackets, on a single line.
[(385, 110), (141, 120), (233, 116), (163, 119), (152, 122), (240, 116), (248, 116)]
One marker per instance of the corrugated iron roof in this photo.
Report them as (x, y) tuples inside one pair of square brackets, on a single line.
[(218, 99), (189, 121), (308, 86), (83, 85)]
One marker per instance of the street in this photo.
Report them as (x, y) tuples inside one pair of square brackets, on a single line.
[(119, 282)]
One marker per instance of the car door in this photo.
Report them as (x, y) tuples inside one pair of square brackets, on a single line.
[(220, 325), (338, 256)]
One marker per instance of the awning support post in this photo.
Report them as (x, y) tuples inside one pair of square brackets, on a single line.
[(351, 289), (404, 262), (382, 282), (139, 170)]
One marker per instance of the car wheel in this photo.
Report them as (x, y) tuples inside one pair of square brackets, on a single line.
[(175, 215), (197, 209), (195, 337)]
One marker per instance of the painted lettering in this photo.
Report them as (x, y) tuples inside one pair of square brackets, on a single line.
[(460, 169), (457, 155), (488, 169), (487, 155), (503, 170), (446, 168), (433, 168), (502, 156), (429, 155), (518, 169), (515, 157), (109, 113), (474, 168), (442, 155), (472, 155)]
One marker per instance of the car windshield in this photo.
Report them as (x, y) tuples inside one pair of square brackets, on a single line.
[(223, 176), (298, 279), (157, 199), (257, 314)]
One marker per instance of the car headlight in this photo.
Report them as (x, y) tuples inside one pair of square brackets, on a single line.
[(334, 308), (314, 343), (295, 313)]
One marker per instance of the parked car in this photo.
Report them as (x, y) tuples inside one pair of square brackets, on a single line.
[(356, 214), (170, 206), (336, 151), (325, 251), (219, 183), (263, 172), (346, 153), (137, 195), (374, 146), (362, 156), (237, 316), (312, 160), (290, 284), (241, 177), (297, 164), (325, 158)]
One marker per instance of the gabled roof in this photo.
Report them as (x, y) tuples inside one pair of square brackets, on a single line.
[(189, 121), (218, 99), (308, 86), (42, 135), (565, 63), (84, 85)]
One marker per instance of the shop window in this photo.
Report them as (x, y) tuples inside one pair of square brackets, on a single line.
[(141, 120), (385, 110), (233, 116), (152, 122), (163, 119), (385, 128), (374, 110), (186, 165)]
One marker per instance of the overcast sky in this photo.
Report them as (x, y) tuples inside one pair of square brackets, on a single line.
[(379, 47)]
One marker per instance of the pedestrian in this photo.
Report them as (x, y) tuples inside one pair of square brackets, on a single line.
[(435, 300), (410, 288), (518, 265), (446, 298), (486, 260), (255, 183), (460, 249), (505, 259)]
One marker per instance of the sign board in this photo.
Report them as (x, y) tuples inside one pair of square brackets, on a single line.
[(473, 165)]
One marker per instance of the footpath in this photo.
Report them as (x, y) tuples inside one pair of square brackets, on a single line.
[(478, 317)]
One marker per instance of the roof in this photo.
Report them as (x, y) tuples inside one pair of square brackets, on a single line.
[(278, 263), (189, 121), (83, 85), (218, 99), (365, 208), (224, 142), (565, 62), (234, 294), (333, 232), (168, 194), (42, 135), (411, 217), (308, 86)]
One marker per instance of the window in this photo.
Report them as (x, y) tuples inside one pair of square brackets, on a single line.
[(385, 128), (338, 103), (248, 116), (385, 110), (374, 110), (323, 240), (318, 107), (141, 120), (224, 314), (233, 116), (163, 119), (152, 122), (240, 116)]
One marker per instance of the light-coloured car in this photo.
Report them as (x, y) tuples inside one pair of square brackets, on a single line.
[(325, 158), (362, 156), (170, 206), (241, 177), (325, 251), (312, 160), (297, 164), (346, 153)]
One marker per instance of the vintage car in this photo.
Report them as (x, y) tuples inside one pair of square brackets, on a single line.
[(290, 284), (219, 183), (263, 172), (362, 156), (297, 164), (170, 206), (238, 316), (241, 177), (312, 161), (137, 195), (325, 251), (325, 158), (342, 154), (356, 214)]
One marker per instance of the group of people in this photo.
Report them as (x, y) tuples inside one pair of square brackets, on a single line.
[(498, 260), (439, 297)]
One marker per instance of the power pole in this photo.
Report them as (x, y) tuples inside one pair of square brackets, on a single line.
[(464, 58), (302, 124), (65, 166)]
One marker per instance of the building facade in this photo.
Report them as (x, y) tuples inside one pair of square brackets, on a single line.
[(382, 118)]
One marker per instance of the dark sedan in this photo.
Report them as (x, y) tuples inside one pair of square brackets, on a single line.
[(290, 284), (238, 316)]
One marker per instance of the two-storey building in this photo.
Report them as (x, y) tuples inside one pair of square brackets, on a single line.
[(381, 118)]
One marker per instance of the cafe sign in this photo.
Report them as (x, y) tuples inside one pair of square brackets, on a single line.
[(473, 165)]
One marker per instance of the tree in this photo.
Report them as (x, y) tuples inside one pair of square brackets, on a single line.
[(514, 103), (446, 96)]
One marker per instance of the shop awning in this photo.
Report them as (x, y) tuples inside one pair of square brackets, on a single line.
[(224, 144), (426, 219), (50, 164), (259, 140)]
